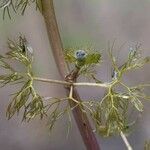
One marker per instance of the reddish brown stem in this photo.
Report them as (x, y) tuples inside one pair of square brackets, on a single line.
[(56, 44)]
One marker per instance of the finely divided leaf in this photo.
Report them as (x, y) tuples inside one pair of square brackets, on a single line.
[(93, 58)]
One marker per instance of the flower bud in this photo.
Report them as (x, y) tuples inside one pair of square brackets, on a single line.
[(80, 54)]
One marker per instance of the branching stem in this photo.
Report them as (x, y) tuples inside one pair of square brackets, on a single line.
[(52, 81), (71, 92), (71, 95), (104, 85), (81, 118)]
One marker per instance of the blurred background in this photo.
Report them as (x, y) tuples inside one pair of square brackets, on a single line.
[(81, 22)]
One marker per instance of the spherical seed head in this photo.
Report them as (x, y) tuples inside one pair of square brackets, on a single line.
[(80, 54)]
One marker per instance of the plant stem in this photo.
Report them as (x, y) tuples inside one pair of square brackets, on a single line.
[(81, 118), (104, 85), (52, 81), (125, 141)]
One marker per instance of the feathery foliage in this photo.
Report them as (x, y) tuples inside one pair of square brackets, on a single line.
[(27, 99), (86, 66), (110, 114), (18, 6)]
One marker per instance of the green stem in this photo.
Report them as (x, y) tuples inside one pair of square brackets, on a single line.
[(51, 81), (104, 85), (81, 118)]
